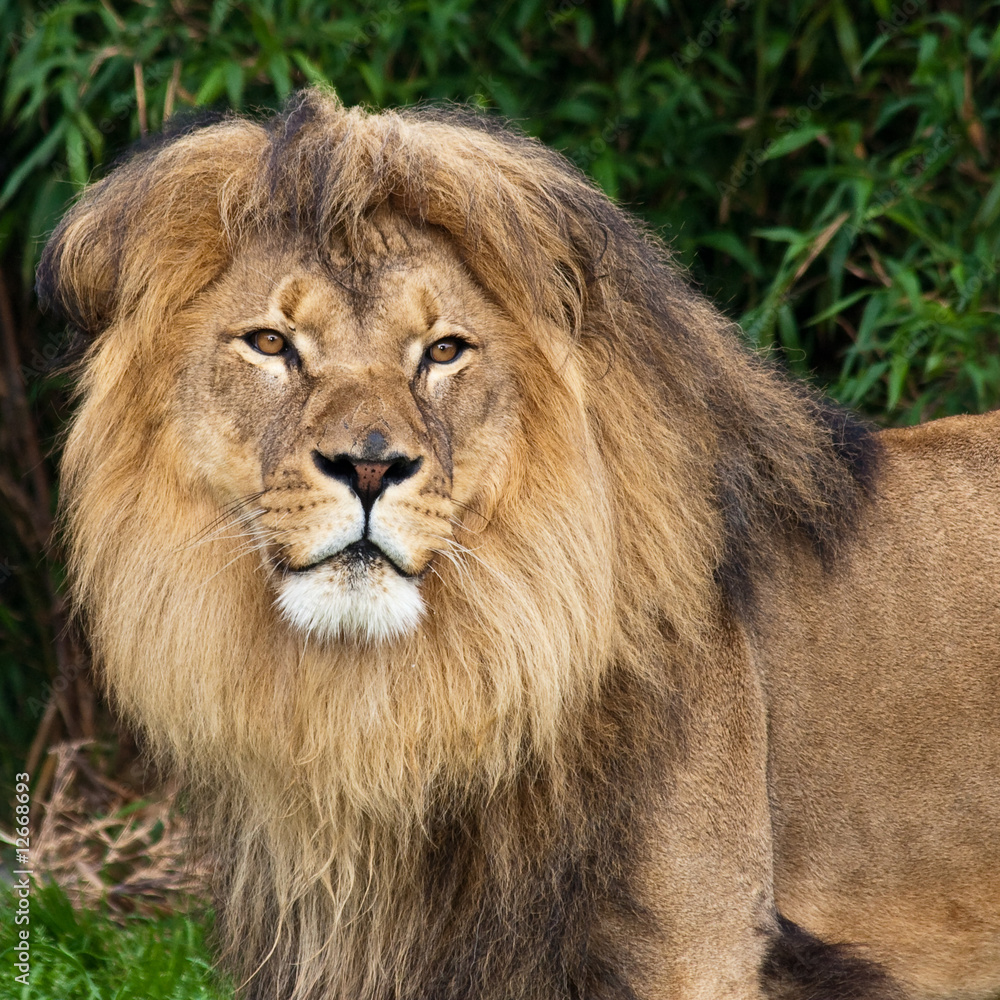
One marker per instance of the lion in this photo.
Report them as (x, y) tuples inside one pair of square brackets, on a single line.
[(517, 632)]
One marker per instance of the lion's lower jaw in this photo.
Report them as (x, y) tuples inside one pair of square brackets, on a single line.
[(331, 603)]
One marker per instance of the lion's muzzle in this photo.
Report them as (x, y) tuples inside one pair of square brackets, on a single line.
[(348, 567)]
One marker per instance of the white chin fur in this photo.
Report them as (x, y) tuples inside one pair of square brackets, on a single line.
[(332, 601)]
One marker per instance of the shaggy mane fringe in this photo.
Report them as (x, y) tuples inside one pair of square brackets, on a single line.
[(494, 795)]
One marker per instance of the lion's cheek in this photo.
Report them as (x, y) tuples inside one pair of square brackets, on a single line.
[(203, 454), (207, 446), (486, 467)]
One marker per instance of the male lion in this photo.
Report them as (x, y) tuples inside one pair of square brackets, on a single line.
[(518, 634)]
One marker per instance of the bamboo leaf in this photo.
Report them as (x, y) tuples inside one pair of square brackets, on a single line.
[(40, 156), (793, 140)]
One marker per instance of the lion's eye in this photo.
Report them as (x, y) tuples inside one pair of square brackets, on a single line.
[(267, 342), (445, 350)]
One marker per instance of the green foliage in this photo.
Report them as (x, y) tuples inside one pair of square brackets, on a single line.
[(826, 174), (86, 956)]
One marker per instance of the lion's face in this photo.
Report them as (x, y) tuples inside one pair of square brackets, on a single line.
[(376, 431), (353, 423)]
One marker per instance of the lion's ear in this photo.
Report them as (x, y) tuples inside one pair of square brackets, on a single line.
[(78, 274)]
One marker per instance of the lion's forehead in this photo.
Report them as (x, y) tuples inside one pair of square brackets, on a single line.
[(350, 314)]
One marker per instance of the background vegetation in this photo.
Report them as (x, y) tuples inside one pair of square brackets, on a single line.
[(81, 955), (828, 171)]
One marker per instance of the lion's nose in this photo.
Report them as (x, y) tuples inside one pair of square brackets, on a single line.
[(366, 478)]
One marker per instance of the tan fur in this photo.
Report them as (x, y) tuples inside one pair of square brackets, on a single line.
[(557, 781), (883, 688)]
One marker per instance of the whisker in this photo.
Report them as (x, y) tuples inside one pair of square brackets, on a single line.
[(472, 510), (455, 548), (233, 513), (236, 558), (464, 527), (219, 533)]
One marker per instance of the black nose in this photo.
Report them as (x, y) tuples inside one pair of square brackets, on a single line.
[(367, 478)]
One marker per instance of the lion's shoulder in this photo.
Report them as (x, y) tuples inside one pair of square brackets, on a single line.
[(972, 437)]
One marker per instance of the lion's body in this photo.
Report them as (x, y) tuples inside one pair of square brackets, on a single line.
[(461, 559), (882, 681)]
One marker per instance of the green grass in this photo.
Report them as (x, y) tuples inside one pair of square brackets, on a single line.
[(87, 956)]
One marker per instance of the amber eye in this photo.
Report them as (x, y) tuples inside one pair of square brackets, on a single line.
[(445, 350), (268, 342)]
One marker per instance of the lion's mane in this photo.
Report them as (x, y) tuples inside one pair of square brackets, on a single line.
[(441, 816)]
